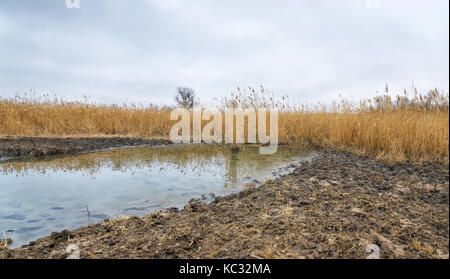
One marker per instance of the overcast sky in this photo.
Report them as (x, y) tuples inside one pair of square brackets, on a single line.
[(141, 50)]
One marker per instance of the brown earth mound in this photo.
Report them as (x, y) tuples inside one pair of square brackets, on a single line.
[(332, 207), (40, 147)]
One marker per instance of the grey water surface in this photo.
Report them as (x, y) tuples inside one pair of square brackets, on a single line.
[(40, 196)]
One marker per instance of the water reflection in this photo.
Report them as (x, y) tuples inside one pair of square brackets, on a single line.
[(236, 163), (40, 196)]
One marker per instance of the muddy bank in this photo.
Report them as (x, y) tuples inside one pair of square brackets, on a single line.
[(331, 207), (40, 147)]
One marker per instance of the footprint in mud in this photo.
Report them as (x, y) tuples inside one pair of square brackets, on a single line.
[(142, 207), (208, 197), (28, 229), (44, 215), (100, 216), (93, 215), (188, 194), (17, 217), (14, 204)]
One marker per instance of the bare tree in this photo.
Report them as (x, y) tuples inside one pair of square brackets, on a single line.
[(185, 97)]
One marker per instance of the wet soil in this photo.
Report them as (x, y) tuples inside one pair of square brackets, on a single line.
[(331, 207), (40, 147)]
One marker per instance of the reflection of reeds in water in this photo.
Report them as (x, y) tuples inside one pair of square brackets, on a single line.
[(234, 163)]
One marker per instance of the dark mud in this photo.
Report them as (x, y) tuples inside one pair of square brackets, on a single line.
[(331, 207), (40, 147)]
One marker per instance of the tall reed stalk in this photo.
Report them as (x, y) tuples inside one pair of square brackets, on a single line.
[(407, 126)]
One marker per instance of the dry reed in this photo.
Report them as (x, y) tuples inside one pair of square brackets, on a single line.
[(394, 128)]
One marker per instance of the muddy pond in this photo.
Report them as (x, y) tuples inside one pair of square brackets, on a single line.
[(40, 196)]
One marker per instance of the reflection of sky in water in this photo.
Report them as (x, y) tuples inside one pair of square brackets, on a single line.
[(42, 196)]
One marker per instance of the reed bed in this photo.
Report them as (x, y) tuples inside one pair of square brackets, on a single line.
[(24, 115), (405, 127)]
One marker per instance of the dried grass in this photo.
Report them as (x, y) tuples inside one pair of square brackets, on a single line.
[(397, 128)]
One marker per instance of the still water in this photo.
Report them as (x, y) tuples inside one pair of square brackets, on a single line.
[(40, 196)]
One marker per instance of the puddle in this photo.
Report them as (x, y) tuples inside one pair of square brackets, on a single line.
[(40, 196)]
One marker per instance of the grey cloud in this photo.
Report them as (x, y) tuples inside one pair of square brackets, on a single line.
[(140, 51)]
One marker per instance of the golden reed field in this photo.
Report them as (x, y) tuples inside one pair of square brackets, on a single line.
[(406, 127)]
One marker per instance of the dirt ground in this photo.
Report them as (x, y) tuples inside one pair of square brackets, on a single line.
[(331, 207), (40, 147)]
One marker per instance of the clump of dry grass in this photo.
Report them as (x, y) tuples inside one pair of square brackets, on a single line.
[(24, 115), (405, 127)]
